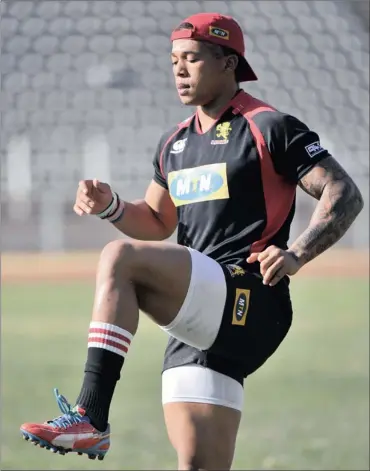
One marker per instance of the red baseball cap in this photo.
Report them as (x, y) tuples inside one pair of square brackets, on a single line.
[(218, 29)]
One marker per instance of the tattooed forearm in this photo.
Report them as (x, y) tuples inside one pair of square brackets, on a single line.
[(340, 202)]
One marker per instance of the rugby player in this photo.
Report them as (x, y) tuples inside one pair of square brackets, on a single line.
[(226, 179)]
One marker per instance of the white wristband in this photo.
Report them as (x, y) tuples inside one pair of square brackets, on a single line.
[(111, 208)]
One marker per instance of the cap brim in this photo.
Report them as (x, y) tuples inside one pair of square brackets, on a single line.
[(246, 73)]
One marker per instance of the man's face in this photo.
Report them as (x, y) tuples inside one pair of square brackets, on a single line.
[(199, 75)]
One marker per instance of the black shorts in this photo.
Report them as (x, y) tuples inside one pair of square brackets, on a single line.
[(255, 321)]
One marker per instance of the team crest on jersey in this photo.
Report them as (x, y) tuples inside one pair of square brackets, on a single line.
[(235, 270), (223, 131), (194, 185)]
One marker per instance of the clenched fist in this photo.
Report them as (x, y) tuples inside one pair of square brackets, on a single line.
[(92, 197)]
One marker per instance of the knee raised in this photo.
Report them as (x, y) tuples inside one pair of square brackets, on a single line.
[(117, 255)]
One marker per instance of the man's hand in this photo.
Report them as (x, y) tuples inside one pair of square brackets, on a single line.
[(92, 197), (275, 263)]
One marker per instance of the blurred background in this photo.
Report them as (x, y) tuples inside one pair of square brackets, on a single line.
[(86, 91)]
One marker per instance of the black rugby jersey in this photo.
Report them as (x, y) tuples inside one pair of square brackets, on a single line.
[(234, 186)]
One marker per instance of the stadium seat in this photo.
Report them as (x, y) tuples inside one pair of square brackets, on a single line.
[(14, 119), (66, 117), (48, 10), (117, 26), (56, 100), (84, 61), (59, 63), (75, 9), (131, 10), (296, 8), (295, 43), (247, 10), (44, 81), (74, 44), (21, 10), (111, 99), (122, 136), (72, 81), (101, 44), (139, 97), (284, 23), (177, 114), (28, 101), (167, 23), (144, 26), (32, 27), (188, 8), (89, 26), (15, 82), (216, 5), (129, 44), (125, 116), (17, 44), (158, 9), (84, 100), (31, 64), (166, 98), (63, 138), (142, 62), (46, 45), (98, 116), (104, 10), (158, 44), (7, 63), (42, 117), (271, 10), (156, 79), (148, 115), (305, 58), (61, 27), (6, 100)]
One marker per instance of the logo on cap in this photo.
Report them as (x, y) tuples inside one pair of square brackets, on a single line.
[(219, 32)]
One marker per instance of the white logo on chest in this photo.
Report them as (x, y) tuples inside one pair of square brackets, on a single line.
[(178, 146)]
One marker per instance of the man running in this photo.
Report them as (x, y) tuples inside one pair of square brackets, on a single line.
[(226, 178)]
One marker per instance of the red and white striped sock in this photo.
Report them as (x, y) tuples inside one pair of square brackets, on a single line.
[(110, 337)]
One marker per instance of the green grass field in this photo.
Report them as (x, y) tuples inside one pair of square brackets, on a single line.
[(307, 408)]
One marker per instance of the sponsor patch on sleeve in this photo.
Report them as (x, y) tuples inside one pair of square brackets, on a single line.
[(314, 149)]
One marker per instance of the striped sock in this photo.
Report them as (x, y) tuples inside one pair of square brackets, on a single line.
[(107, 347), (110, 337)]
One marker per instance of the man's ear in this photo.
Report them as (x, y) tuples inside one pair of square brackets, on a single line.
[(231, 62)]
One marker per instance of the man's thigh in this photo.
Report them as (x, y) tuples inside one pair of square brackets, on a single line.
[(183, 285), (202, 434)]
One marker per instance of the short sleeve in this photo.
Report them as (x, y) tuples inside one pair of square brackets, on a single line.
[(294, 148), (158, 176)]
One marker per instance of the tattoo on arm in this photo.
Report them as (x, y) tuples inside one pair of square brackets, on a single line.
[(340, 202)]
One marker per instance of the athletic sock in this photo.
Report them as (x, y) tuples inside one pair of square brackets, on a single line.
[(107, 348)]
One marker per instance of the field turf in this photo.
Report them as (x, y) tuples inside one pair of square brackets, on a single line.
[(307, 408)]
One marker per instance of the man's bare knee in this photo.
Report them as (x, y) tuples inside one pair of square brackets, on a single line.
[(117, 258)]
